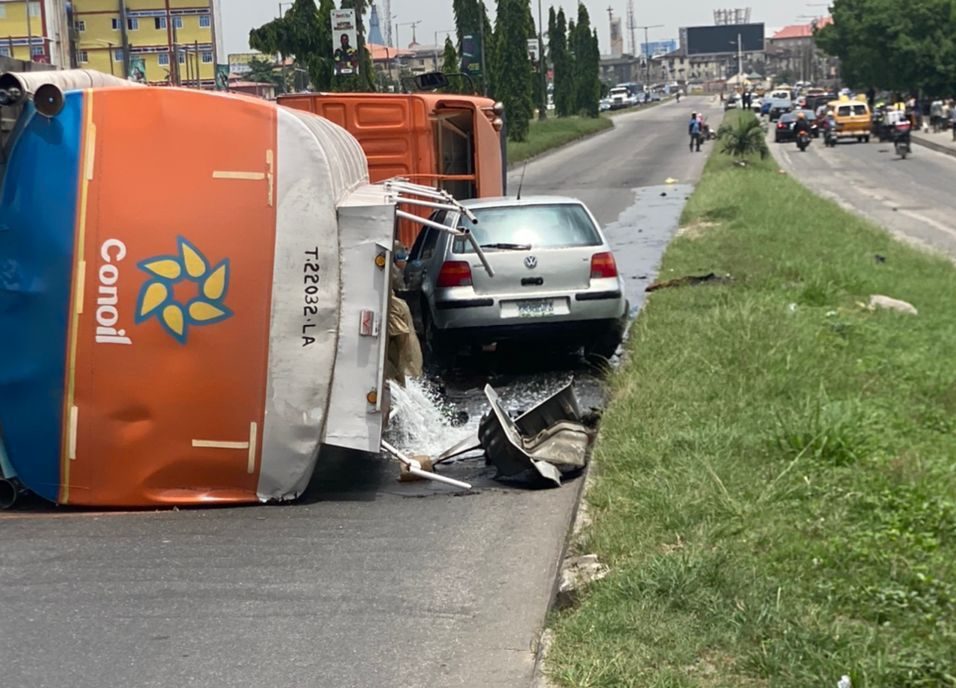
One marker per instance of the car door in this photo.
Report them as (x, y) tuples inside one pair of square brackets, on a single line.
[(420, 258)]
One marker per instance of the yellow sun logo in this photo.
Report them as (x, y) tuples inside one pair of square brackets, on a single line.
[(157, 299)]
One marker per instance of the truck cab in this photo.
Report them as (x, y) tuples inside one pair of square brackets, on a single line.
[(451, 141)]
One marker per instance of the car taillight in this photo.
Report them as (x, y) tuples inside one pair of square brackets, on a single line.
[(603, 265), (780, 125), (455, 273)]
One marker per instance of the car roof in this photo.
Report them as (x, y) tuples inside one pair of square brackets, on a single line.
[(513, 201)]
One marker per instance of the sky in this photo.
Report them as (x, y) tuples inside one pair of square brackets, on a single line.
[(238, 16)]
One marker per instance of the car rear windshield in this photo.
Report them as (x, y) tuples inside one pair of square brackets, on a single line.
[(537, 226), (859, 109)]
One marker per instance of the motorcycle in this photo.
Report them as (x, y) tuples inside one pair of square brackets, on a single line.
[(901, 139), (803, 140)]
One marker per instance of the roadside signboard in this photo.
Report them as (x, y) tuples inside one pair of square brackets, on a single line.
[(345, 42)]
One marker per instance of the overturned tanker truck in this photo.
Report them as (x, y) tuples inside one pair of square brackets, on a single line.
[(194, 295)]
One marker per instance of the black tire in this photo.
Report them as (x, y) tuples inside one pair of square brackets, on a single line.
[(437, 350), (866, 139), (606, 343)]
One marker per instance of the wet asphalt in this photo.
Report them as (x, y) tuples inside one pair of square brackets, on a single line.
[(366, 582)]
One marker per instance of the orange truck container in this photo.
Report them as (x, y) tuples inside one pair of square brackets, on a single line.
[(450, 141)]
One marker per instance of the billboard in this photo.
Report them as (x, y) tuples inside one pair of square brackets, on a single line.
[(239, 62), (345, 40), (137, 69), (471, 55), (533, 51), (702, 40)]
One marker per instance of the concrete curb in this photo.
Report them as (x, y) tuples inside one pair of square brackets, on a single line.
[(932, 145)]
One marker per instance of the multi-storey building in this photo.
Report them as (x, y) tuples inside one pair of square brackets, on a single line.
[(35, 30), (156, 41)]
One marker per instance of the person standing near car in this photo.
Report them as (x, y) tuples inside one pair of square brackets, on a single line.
[(694, 128)]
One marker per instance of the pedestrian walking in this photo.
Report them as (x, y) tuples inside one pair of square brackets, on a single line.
[(694, 128)]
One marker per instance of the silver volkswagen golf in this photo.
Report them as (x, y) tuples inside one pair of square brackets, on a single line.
[(555, 278)]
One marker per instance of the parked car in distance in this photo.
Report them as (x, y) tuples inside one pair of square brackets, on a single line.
[(556, 281), (731, 102), (604, 104)]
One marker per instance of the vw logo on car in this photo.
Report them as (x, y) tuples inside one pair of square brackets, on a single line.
[(530, 262)]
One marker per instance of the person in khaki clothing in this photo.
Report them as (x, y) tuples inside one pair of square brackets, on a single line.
[(404, 358)]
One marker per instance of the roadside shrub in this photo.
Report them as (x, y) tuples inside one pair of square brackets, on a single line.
[(743, 137)]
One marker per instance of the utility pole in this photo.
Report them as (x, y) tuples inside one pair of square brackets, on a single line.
[(484, 70), (740, 61), (647, 53), (124, 35), (631, 26), (26, 4), (542, 67)]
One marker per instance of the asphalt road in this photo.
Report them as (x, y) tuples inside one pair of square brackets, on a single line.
[(912, 198), (364, 583)]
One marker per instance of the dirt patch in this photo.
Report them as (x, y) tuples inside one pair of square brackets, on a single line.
[(697, 229)]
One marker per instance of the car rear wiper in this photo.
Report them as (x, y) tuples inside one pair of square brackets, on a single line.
[(509, 247)]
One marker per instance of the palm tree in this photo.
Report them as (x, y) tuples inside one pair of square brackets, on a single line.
[(743, 137)]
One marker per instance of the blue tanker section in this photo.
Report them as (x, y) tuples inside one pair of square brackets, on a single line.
[(38, 197)]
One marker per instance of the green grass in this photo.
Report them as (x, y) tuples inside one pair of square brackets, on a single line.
[(776, 476), (554, 132)]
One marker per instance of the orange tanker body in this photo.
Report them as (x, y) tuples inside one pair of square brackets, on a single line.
[(447, 140)]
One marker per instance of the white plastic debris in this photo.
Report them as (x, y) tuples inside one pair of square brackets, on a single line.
[(845, 682), (891, 304)]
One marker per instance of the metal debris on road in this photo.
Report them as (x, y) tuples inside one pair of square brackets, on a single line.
[(544, 444)]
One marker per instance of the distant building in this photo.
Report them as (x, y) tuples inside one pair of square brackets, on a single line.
[(45, 39), (156, 41), (792, 51)]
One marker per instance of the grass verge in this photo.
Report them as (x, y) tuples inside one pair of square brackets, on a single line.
[(552, 133), (776, 486)]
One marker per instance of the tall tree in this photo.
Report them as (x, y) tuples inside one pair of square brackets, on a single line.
[(450, 65), (471, 19), (882, 45), (513, 68), (587, 63), (303, 33), (263, 71), (560, 58)]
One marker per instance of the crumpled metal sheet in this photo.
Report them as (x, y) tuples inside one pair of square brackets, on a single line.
[(545, 443)]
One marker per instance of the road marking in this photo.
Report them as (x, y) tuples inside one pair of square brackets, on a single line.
[(932, 223)]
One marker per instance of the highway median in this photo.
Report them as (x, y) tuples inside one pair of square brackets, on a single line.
[(773, 489)]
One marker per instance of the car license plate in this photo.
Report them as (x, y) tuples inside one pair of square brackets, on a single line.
[(538, 308)]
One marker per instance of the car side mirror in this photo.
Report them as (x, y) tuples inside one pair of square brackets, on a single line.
[(431, 81)]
